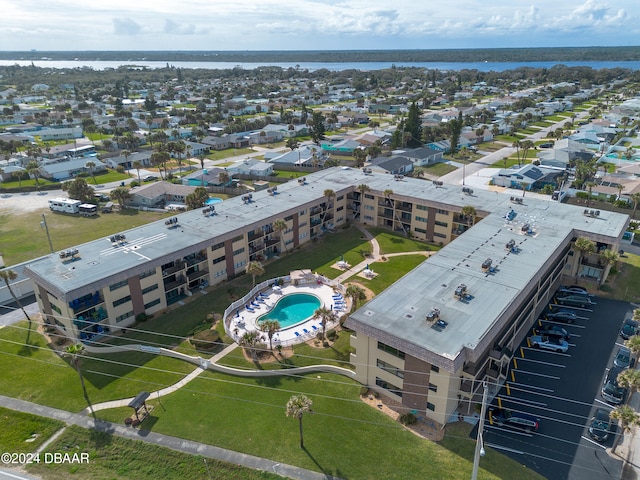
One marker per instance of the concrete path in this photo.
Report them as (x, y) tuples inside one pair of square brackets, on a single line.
[(174, 443)]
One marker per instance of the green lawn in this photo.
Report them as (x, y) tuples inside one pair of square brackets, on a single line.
[(439, 169), (392, 243), (288, 174), (115, 458), (22, 238), (390, 271), (625, 284), (22, 432), (222, 154)]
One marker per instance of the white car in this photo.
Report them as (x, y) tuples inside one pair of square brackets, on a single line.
[(549, 343)]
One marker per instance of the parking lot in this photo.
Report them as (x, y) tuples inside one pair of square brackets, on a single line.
[(563, 391)]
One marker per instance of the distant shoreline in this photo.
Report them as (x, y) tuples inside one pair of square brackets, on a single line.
[(557, 54)]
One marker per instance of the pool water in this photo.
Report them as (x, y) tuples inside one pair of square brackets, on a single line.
[(212, 200), (292, 309)]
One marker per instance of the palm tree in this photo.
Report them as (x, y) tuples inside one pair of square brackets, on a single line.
[(223, 177), (590, 186), (249, 341), (627, 418), (630, 378), (137, 165), (73, 352), (635, 197), (609, 258), (280, 225), (297, 406), (270, 327), (328, 194), (387, 195), (91, 166), (585, 247), (526, 146), (517, 145), (255, 269), (126, 154), (418, 172), (469, 213), (33, 169), (360, 156), (356, 293), (325, 315), (120, 195), (9, 276), (634, 342)]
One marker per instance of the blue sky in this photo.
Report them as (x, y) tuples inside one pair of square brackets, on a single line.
[(314, 24)]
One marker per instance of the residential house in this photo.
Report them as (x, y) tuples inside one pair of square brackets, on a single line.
[(396, 165), (65, 170), (159, 194), (209, 177), (251, 166), (422, 156), (127, 162), (528, 177), (563, 152)]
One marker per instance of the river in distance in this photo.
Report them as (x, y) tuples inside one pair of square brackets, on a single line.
[(313, 66)]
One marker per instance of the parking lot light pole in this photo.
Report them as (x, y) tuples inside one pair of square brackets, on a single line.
[(46, 229), (479, 441)]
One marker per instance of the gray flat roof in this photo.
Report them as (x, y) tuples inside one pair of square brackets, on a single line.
[(100, 262)]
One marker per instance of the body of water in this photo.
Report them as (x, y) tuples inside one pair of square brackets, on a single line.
[(313, 66)]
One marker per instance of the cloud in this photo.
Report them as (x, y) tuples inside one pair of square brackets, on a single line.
[(126, 26), (173, 28)]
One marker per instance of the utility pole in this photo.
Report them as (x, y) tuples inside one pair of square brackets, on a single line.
[(479, 441), (46, 229)]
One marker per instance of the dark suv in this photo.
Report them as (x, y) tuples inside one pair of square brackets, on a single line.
[(553, 331), (515, 420), (612, 392), (629, 328)]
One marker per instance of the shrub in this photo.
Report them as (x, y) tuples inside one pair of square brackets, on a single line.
[(582, 195), (332, 334), (363, 390), (128, 421), (407, 419), (141, 317)]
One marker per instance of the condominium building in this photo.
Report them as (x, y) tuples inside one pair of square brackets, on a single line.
[(427, 341)]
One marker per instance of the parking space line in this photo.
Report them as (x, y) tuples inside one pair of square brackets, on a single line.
[(506, 449), (564, 324), (541, 362), (502, 429), (620, 344), (526, 372), (517, 385), (602, 402), (522, 401), (595, 443), (546, 351)]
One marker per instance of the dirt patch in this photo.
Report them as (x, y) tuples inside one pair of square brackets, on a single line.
[(424, 427)]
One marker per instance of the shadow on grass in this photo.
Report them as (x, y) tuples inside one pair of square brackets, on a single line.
[(147, 426), (329, 472)]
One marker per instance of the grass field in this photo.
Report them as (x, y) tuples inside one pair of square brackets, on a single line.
[(23, 433), (439, 169), (22, 238)]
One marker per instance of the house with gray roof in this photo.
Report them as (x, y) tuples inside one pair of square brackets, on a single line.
[(529, 176), (396, 165), (159, 194)]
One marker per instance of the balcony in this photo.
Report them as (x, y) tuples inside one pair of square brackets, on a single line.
[(405, 207), (195, 275), (195, 260), (255, 235), (85, 303), (178, 266), (178, 282)]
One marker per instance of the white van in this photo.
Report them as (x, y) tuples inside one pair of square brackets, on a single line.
[(65, 205)]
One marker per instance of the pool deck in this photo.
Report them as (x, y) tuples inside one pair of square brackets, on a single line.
[(246, 321)]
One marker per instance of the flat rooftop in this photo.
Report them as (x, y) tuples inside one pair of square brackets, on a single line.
[(101, 261)]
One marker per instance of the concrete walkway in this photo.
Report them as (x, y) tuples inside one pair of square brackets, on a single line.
[(174, 443)]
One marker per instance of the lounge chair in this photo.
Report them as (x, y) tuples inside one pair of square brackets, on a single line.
[(305, 331), (314, 328), (297, 334), (249, 309)]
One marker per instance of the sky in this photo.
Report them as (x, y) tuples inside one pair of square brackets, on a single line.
[(314, 24)]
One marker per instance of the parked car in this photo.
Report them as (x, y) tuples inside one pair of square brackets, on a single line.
[(517, 420), (611, 391), (551, 330), (623, 358), (561, 316), (149, 178), (600, 425), (573, 289), (629, 328), (555, 344), (574, 300)]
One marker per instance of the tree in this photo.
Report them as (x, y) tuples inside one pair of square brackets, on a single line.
[(292, 143), (255, 269), (329, 194), (608, 258), (78, 189), (250, 342), (270, 327), (279, 226), (590, 186), (33, 169), (120, 195), (137, 165), (469, 213), (91, 166), (297, 406), (9, 276), (418, 172), (517, 144), (317, 128), (635, 198), (197, 198), (627, 418), (413, 126), (634, 341), (126, 154), (526, 146), (325, 315), (360, 156), (585, 247), (356, 293), (630, 378), (73, 352)]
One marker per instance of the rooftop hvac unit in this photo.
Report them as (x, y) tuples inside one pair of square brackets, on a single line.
[(433, 315), (461, 291), (526, 228), (438, 183), (467, 190), (486, 265), (510, 244), (68, 253), (398, 177), (367, 170), (171, 222), (210, 210)]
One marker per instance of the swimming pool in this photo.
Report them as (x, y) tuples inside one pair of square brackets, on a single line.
[(292, 309), (212, 200)]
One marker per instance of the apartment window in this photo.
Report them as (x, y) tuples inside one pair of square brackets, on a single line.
[(369, 207), (389, 349), (435, 368), (289, 218), (303, 224), (431, 406), (55, 308), (442, 212), (302, 212), (421, 219), (150, 289), (240, 264), (433, 388), (122, 300), (219, 259), (238, 251), (217, 246), (368, 217), (118, 285), (152, 303), (124, 316), (237, 239), (221, 273), (370, 197), (302, 235), (422, 207), (339, 198), (420, 230), (439, 235), (146, 274), (387, 367), (388, 386), (441, 224), (339, 209)]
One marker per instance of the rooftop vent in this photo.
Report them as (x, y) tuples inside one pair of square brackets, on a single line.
[(433, 315), (467, 190)]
